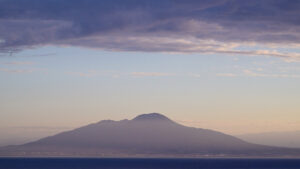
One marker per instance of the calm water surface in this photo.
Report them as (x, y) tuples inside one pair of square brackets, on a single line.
[(93, 163)]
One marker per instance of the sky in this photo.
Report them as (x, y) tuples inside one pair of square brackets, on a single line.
[(227, 65)]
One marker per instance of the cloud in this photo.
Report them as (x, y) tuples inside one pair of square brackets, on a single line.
[(218, 26), (259, 72), (89, 73), (19, 63), (150, 74), (95, 73), (226, 74), (16, 70), (118, 74), (251, 73)]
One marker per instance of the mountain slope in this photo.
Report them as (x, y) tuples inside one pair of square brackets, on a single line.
[(283, 139), (146, 135)]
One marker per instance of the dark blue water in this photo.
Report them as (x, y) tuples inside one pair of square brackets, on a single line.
[(93, 163)]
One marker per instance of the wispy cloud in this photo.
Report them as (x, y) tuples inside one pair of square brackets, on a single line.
[(89, 73), (95, 73), (226, 74), (251, 73), (19, 63), (239, 72), (137, 74), (17, 70), (150, 74), (259, 72)]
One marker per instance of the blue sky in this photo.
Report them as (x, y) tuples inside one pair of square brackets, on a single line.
[(42, 85), (226, 65)]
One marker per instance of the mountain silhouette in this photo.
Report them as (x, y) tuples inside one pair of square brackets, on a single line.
[(147, 135), (289, 139)]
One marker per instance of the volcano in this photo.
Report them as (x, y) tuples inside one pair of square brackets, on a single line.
[(147, 135)]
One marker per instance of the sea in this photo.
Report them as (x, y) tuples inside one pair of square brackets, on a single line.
[(146, 163)]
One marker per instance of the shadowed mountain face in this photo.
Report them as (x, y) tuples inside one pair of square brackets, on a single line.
[(146, 135)]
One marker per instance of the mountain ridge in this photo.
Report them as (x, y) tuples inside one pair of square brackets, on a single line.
[(153, 135)]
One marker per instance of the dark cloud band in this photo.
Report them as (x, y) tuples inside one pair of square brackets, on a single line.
[(156, 25)]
